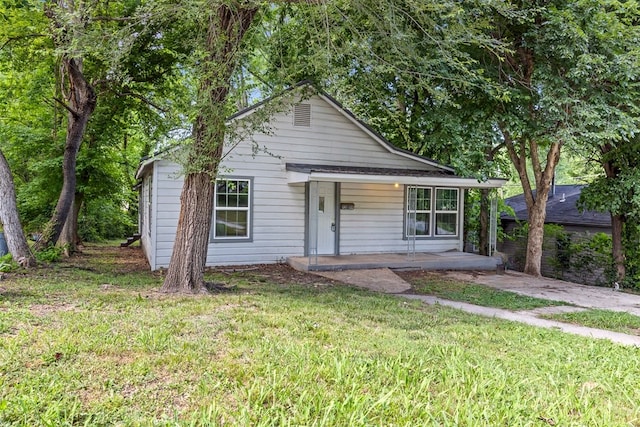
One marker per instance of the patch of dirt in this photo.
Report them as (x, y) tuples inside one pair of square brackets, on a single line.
[(276, 273), (121, 260), (99, 258), (414, 276), (45, 309)]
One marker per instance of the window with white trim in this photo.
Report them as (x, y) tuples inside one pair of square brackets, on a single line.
[(231, 210), (446, 212), (418, 209), (431, 212)]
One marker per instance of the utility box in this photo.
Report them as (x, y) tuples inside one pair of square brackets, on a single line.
[(3, 244)]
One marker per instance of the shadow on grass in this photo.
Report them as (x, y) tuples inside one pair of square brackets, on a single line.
[(18, 295)]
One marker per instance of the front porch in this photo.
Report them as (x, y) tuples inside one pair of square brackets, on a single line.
[(451, 260)]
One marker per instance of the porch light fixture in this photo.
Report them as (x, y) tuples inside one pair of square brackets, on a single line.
[(396, 185)]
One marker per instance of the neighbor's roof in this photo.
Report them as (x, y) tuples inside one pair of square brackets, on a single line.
[(561, 209)]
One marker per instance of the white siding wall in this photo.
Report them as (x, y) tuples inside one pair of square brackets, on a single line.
[(376, 223), (168, 183), (147, 213), (332, 139), (278, 212), (277, 227)]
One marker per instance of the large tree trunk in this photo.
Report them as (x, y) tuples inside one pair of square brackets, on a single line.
[(618, 252), (227, 26), (535, 238), (536, 204), (69, 238), (617, 220), (82, 101), (186, 269), (483, 237), (16, 241)]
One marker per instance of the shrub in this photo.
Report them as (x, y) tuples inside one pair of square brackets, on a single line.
[(50, 254), (7, 264)]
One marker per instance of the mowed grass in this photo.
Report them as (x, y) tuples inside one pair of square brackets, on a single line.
[(602, 319), (436, 285), (99, 346)]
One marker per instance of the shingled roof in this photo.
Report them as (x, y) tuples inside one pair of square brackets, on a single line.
[(561, 209)]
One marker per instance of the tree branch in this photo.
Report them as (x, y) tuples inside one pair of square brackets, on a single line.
[(113, 18), (64, 104), (13, 39), (520, 163), (143, 99), (535, 162)]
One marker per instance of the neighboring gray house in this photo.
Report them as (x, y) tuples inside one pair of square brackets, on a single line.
[(577, 227), (324, 184)]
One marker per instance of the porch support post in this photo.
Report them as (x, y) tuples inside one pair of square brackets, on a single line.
[(493, 223), (411, 221), (313, 223)]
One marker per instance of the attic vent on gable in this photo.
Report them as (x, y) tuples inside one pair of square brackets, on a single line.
[(302, 115)]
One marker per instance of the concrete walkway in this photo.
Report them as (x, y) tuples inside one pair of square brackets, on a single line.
[(531, 318), (558, 290), (580, 296)]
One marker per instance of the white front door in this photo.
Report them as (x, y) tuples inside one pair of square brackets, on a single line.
[(326, 218)]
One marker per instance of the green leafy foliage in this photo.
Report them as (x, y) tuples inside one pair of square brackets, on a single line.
[(581, 257), (588, 256), (7, 264), (133, 61), (50, 254), (100, 219)]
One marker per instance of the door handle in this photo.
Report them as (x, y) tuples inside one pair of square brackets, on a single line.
[(333, 226)]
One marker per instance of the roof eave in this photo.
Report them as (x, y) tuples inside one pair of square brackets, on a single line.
[(444, 180), (144, 165)]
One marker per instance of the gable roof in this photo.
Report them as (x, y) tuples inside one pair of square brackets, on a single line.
[(562, 209), (386, 144), (320, 172)]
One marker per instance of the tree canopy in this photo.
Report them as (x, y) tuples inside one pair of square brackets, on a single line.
[(476, 85)]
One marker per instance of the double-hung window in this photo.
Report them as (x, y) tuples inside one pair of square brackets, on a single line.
[(232, 210), (446, 212), (431, 212), (418, 209)]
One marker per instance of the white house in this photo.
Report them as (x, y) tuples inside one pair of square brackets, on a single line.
[(323, 183)]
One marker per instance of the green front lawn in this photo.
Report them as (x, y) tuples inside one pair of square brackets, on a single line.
[(97, 345), (602, 319)]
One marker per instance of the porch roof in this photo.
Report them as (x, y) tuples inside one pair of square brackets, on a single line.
[(300, 172)]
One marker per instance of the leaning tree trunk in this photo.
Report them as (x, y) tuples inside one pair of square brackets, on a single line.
[(186, 269), (82, 101), (226, 28), (16, 241), (617, 229)]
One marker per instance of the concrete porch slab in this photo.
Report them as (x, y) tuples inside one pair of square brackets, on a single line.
[(426, 261)]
